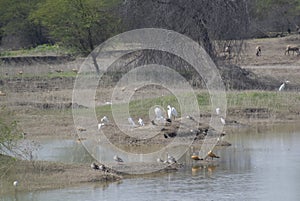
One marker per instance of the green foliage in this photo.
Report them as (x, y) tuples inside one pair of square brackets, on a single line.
[(8, 132), (287, 7), (14, 19), (277, 103), (45, 49), (81, 24)]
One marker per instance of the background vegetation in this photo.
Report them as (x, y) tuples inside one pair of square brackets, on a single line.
[(9, 132), (83, 24)]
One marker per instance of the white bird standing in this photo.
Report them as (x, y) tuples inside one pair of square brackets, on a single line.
[(172, 112), (218, 111), (105, 119), (223, 121), (100, 125), (15, 183), (131, 122), (282, 86), (169, 111), (171, 159), (141, 122)]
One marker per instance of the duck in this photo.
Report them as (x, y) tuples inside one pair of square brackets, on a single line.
[(196, 157), (212, 155)]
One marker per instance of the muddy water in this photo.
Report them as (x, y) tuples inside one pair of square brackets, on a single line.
[(61, 150), (260, 165)]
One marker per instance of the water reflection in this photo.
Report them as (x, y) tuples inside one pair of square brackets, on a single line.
[(262, 164), (62, 150)]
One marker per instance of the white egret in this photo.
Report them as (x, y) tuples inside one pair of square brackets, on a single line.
[(218, 111), (105, 119), (141, 122), (118, 159), (100, 125), (131, 122), (15, 183), (169, 111), (172, 112), (223, 121), (282, 86), (171, 159)]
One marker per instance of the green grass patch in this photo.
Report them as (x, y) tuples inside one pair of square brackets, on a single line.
[(276, 102), (49, 75), (44, 49), (273, 100), (140, 108)]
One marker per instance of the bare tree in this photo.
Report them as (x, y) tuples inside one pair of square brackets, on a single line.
[(204, 21)]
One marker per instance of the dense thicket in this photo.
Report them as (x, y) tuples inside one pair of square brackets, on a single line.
[(83, 24)]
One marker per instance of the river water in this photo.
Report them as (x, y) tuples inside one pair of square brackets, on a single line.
[(261, 164)]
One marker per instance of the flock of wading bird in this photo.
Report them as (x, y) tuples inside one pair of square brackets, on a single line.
[(159, 119), (172, 114)]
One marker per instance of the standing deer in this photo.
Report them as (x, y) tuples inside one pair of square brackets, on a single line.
[(291, 48), (227, 51), (258, 51)]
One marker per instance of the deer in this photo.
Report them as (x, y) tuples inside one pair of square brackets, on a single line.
[(291, 48), (258, 51), (227, 51)]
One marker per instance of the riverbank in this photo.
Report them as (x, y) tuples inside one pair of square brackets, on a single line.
[(39, 98), (42, 175)]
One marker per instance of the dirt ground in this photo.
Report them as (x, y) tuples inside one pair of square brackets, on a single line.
[(42, 107), (42, 175), (32, 98), (273, 62)]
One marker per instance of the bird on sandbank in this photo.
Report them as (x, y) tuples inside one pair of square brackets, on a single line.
[(218, 111), (104, 119), (15, 183), (172, 112), (170, 159), (100, 125), (282, 86), (222, 120), (94, 166), (141, 122), (118, 159)]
